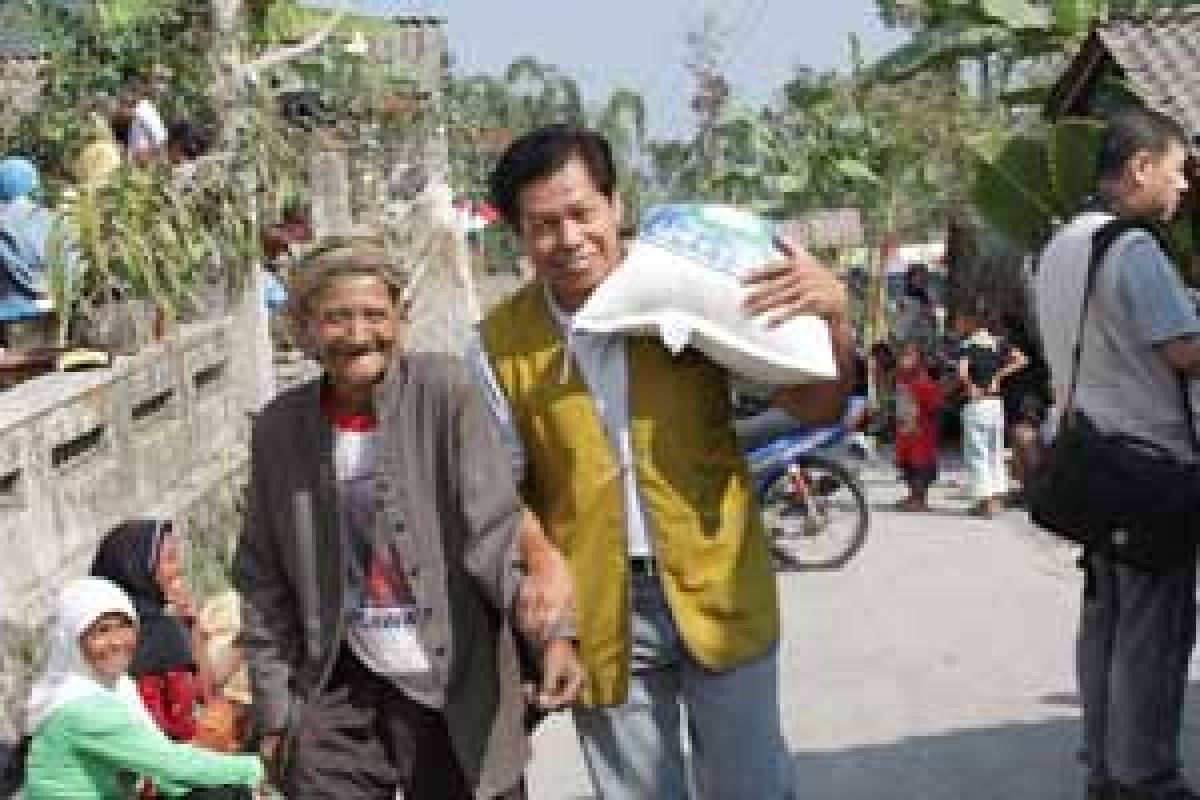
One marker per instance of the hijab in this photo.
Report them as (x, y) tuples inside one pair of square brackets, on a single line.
[(18, 178), (67, 675), (128, 557), (25, 230)]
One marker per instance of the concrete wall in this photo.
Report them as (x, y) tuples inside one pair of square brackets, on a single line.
[(162, 433)]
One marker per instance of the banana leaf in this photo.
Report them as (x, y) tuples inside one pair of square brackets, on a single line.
[(1012, 188), (1073, 145)]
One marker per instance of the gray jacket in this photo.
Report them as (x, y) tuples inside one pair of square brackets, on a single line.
[(447, 499)]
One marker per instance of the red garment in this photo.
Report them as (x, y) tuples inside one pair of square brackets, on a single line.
[(346, 421), (918, 400), (171, 697)]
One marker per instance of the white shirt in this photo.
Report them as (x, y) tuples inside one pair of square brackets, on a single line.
[(601, 360), (382, 630), (147, 131), (1139, 303)]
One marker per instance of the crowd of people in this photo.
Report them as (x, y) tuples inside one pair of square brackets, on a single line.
[(437, 552), (979, 382), (130, 133), (1118, 340)]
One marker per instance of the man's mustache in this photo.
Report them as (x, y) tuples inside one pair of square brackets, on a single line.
[(351, 352)]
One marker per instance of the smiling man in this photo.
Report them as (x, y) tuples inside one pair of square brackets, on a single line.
[(381, 562), (627, 454)]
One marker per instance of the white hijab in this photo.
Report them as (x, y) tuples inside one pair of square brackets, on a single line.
[(67, 675)]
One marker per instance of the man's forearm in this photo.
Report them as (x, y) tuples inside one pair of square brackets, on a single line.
[(823, 403), (546, 610), (536, 548)]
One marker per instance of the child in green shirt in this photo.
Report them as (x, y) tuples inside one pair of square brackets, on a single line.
[(92, 739)]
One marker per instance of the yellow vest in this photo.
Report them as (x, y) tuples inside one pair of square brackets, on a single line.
[(708, 537)]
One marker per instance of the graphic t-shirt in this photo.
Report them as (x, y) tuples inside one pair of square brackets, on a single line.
[(382, 628)]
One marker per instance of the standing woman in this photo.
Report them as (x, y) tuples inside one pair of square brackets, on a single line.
[(985, 362), (92, 738)]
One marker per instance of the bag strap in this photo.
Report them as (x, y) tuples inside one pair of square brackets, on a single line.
[(1102, 241)]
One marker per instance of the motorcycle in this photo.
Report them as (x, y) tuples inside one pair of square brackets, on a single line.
[(806, 479)]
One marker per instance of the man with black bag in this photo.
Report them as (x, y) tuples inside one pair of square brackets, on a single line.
[(1122, 339)]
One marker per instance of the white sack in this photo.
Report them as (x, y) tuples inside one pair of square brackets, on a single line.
[(682, 280)]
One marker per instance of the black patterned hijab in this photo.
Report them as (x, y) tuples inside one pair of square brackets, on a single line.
[(128, 557)]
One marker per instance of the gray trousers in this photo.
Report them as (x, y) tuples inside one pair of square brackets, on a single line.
[(1135, 643), (635, 751)]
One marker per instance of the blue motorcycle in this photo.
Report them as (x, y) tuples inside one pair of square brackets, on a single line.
[(806, 480)]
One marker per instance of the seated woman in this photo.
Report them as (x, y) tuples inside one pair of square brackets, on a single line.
[(142, 557), (92, 739)]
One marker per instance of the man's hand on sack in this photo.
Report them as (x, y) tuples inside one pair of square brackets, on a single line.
[(798, 285)]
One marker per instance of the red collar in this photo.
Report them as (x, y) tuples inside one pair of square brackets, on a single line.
[(346, 421)]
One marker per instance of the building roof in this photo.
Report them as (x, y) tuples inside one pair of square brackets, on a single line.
[(1159, 56)]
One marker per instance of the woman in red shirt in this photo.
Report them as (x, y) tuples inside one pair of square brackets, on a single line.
[(918, 400), (142, 557)]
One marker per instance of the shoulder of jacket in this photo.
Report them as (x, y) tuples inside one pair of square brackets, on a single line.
[(519, 302), (282, 410), (507, 329)]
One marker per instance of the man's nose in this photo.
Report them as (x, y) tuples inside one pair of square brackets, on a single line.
[(571, 234), (359, 331)]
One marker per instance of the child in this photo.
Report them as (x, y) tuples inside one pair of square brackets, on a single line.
[(142, 557), (918, 400), (225, 723), (92, 738)]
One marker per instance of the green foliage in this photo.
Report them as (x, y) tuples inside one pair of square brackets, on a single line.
[(1026, 184), (529, 95), (1010, 189), (998, 37), (94, 54), (832, 142)]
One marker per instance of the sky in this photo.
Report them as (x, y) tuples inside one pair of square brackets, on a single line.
[(640, 43)]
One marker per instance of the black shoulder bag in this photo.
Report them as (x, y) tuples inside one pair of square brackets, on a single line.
[(1116, 494)]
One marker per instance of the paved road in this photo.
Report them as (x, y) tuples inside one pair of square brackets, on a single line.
[(937, 666)]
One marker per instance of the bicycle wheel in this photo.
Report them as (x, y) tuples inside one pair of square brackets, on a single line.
[(816, 519)]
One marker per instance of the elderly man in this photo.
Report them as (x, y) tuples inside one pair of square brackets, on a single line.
[(628, 456), (384, 547)]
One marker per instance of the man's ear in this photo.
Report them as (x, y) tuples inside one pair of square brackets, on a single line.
[(301, 325), (618, 204), (1140, 165)]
